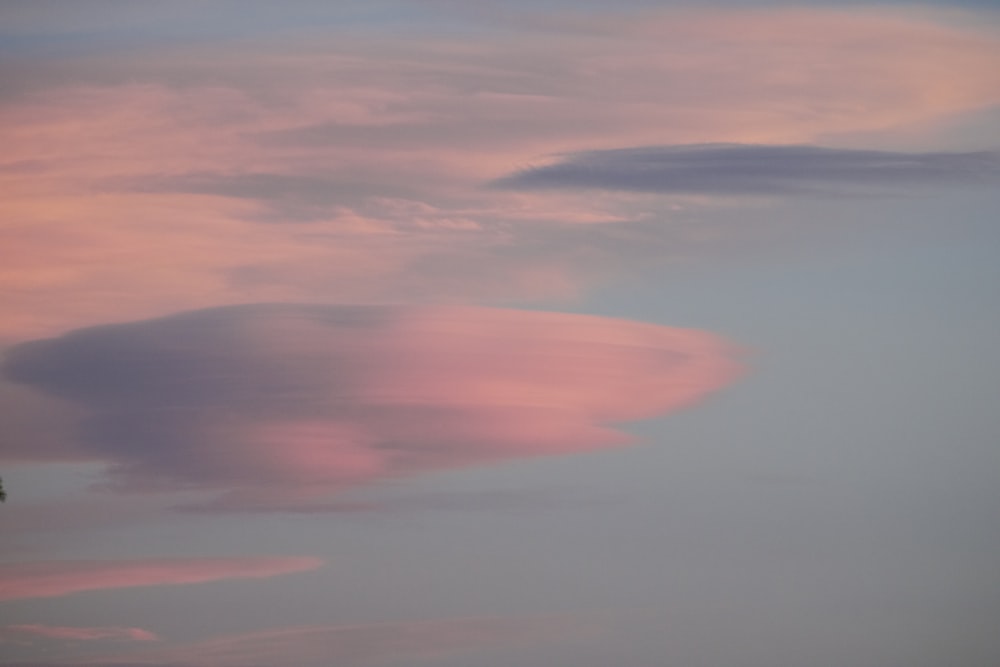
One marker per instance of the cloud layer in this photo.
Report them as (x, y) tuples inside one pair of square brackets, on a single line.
[(349, 166), (282, 405), (733, 169), (58, 578)]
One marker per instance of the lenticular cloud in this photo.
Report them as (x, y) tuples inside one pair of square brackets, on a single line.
[(281, 405)]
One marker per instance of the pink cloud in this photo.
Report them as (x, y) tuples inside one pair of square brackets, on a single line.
[(67, 633), (381, 145), (58, 578), (282, 405)]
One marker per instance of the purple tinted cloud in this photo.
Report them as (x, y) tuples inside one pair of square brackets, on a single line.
[(738, 169), (281, 405)]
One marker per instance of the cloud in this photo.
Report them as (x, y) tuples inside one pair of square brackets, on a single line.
[(282, 405), (733, 169), (285, 197), (166, 168), (19, 633), (37, 424), (58, 578), (348, 645)]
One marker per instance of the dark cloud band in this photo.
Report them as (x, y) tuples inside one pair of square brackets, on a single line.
[(737, 169)]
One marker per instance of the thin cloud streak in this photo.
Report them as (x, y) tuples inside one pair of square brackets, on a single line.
[(57, 578), (281, 405), (732, 169), (27, 632), (349, 645)]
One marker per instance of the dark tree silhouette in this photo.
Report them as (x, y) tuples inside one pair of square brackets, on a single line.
[(3, 494)]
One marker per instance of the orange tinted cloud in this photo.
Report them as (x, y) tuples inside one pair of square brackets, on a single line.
[(57, 578), (282, 405), (67, 633)]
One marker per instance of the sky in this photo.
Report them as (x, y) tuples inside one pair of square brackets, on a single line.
[(423, 333)]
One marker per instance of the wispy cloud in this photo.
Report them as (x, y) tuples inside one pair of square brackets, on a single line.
[(58, 578), (281, 405), (27, 632), (168, 169), (349, 645), (733, 169)]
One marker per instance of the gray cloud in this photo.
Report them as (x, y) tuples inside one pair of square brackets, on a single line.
[(738, 169)]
